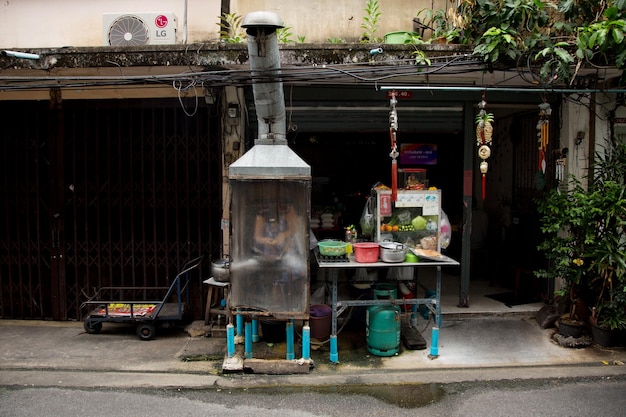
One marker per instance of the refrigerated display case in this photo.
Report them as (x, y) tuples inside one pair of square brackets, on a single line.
[(413, 219)]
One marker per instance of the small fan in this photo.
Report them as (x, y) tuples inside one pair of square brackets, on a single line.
[(127, 31)]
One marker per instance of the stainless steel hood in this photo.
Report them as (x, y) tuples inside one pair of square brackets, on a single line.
[(270, 157), (269, 162)]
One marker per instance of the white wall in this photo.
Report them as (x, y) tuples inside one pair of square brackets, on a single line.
[(575, 117), (56, 23)]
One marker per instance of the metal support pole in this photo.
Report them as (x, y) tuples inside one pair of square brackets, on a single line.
[(468, 178), (255, 330), (291, 355), (434, 343), (248, 340), (334, 354), (230, 339), (306, 341), (239, 320)]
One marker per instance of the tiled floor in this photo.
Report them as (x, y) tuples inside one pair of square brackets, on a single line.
[(479, 303)]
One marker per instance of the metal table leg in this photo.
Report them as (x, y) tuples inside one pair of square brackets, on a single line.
[(334, 354)]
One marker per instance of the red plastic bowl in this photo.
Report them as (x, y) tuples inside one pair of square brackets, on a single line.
[(366, 252)]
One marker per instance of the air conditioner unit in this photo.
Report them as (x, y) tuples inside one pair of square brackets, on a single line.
[(150, 28)]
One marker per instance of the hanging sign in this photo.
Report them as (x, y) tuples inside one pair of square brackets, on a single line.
[(418, 154), (385, 205)]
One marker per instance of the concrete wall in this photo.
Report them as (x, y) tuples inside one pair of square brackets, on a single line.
[(320, 20), (46, 23)]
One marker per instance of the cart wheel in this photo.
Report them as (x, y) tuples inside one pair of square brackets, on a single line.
[(146, 331), (92, 328)]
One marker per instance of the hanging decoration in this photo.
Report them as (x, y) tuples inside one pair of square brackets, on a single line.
[(543, 138), (393, 128), (484, 134)]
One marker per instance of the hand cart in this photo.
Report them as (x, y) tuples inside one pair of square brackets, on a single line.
[(141, 306)]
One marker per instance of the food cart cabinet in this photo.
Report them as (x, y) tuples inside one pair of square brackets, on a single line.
[(414, 219)]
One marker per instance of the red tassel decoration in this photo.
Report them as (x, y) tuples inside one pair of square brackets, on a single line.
[(484, 186), (394, 180)]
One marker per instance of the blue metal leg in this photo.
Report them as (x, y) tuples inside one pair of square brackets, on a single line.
[(230, 339), (290, 340), (255, 330), (248, 340), (334, 355), (239, 319), (434, 343), (306, 342)]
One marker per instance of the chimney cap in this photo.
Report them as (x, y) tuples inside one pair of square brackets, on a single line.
[(262, 19)]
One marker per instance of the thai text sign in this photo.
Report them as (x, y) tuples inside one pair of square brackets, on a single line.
[(418, 154)]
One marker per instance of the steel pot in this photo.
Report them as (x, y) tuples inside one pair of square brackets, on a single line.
[(220, 270), (392, 252)]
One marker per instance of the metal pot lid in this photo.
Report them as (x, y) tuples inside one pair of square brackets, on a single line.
[(221, 263), (394, 246)]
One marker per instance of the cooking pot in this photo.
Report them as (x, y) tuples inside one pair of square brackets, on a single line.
[(220, 270), (392, 251)]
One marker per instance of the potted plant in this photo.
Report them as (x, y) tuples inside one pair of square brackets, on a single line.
[(585, 242), (608, 250), (443, 30), (608, 323), (565, 235)]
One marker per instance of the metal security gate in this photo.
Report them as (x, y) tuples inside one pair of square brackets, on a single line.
[(100, 193)]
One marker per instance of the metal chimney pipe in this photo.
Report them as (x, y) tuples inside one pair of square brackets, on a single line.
[(269, 98)]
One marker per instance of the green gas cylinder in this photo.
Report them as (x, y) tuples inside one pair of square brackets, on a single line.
[(382, 330)]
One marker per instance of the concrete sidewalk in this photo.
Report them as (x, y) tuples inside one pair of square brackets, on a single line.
[(493, 347)]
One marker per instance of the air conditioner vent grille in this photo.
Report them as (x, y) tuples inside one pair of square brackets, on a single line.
[(128, 31)]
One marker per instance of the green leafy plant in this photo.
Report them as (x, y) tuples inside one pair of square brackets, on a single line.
[(231, 31), (421, 58), (557, 38), (371, 21), (435, 20), (336, 40), (585, 237), (284, 35), (497, 42)]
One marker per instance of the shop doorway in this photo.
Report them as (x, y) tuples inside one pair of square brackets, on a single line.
[(345, 166)]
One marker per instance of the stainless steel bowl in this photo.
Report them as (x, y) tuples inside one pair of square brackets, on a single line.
[(392, 252), (220, 270)]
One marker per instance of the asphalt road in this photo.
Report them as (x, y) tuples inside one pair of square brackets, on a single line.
[(546, 398)]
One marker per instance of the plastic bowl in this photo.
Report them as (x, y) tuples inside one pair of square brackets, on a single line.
[(366, 252), (332, 247)]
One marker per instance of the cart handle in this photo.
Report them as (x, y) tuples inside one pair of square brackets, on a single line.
[(190, 265)]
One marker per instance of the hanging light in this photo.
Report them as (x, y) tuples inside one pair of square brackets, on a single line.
[(484, 135)]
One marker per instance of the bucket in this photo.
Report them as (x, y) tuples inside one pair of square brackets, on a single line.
[(320, 317), (406, 294), (366, 252), (385, 291), (425, 311), (398, 38)]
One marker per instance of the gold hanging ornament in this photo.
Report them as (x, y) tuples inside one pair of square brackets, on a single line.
[(484, 135)]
